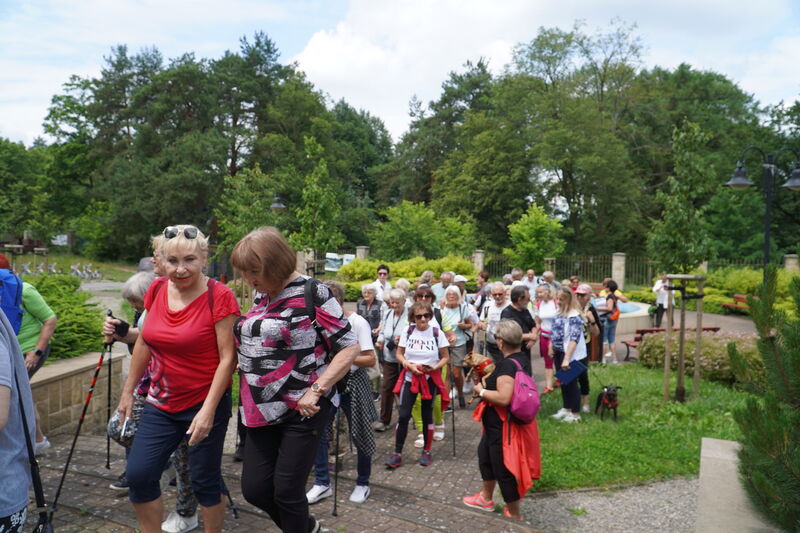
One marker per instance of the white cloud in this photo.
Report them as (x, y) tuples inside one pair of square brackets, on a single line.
[(382, 53), (377, 54)]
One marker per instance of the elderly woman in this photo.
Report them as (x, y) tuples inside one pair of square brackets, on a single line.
[(424, 293), (369, 307), (15, 471), (291, 356), (426, 278), (184, 517), (546, 311), (508, 453), (457, 320), (567, 344), (358, 407), (395, 322), (422, 351), (189, 349)]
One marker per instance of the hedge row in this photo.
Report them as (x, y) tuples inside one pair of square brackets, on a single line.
[(715, 363), (80, 323), (410, 269)]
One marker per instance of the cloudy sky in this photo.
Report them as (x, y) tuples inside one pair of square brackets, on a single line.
[(377, 54)]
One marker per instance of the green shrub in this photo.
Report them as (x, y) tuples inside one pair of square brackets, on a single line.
[(80, 324), (715, 363), (646, 296), (352, 290), (411, 269)]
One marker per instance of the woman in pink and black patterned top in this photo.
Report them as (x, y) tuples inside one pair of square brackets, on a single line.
[(287, 376)]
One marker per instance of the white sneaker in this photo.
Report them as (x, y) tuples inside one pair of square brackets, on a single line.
[(438, 432), (571, 418), (39, 447), (176, 523), (318, 492), (585, 409), (360, 494), (420, 442), (561, 413)]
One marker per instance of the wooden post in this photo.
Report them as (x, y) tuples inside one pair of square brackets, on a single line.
[(667, 347), (698, 340), (680, 389)]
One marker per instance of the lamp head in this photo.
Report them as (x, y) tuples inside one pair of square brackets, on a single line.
[(739, 180), (794, 179), (277, 205)]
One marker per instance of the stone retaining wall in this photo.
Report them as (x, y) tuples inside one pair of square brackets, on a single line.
[(60, 388)]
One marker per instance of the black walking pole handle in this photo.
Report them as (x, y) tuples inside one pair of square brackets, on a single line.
[(108, 340)]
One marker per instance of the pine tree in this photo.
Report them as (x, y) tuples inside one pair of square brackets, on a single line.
[(769, 460)]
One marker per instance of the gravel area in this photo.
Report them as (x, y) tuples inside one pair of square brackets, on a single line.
[(663, 507)]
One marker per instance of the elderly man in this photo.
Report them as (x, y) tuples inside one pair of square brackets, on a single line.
[(516, 276), (550, 279), (438, 289), (531, 280), (518, 312), (490, 316)]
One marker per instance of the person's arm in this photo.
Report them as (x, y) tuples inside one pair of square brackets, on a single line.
[(5, 405), (622, 298), (204, 419), (501, 396), (594, 329), (139, 361), (109, 329), (48, 327), (338, 367), (366, 358), (444, 358)]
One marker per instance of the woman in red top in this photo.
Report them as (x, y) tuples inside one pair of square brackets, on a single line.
[(188, 345)]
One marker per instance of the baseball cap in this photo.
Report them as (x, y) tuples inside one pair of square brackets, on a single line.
[(584, 288), (459, 278)]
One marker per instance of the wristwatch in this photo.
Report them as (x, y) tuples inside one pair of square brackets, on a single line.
[(39, 353), (316, 388)]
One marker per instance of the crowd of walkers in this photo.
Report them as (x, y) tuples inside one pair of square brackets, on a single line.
[(300, 358)]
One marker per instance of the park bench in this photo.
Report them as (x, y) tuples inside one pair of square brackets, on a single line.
[(739, 302), (640, 333)]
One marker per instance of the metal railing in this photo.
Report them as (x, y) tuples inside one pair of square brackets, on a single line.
[(588, 268)]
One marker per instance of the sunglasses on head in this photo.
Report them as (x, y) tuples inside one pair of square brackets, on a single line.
[(424, 315), (190, 232)]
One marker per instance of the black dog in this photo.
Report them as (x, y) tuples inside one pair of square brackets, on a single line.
[(607, 401)]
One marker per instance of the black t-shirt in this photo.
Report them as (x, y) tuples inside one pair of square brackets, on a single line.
[(523, 318), (491, 420)]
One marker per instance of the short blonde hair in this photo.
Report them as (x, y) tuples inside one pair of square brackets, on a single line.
[(199, 243), (265, 250), (403, 284), (509, 332)]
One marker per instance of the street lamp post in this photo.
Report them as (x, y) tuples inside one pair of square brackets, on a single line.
[(740, 181)]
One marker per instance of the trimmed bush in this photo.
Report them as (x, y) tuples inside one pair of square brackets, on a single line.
[(715, 364), (411, 269), (80, 324)]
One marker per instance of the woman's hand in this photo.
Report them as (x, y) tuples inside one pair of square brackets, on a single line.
[(125, 407), (200, 426), (565, 364), (414, 369), (307, 406), (108, 326), (478, 387)]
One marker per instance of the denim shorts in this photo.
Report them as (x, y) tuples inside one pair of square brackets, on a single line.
[(609, 330), (159, 434)]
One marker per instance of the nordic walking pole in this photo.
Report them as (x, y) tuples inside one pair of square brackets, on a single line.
[(109, 340), (231, 505), (453, 407), (106, 348), (336, 461)]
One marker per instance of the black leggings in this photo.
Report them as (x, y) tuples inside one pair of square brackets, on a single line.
[(407, 399), (490, 463), (277, 461)]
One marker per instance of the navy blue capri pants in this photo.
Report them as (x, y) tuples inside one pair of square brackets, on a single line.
[(159, 434)]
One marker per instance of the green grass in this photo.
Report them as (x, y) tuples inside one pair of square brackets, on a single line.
[(112, 270), (651, 440)]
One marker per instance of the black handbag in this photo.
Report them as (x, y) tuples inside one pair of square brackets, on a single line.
[(43, 525)]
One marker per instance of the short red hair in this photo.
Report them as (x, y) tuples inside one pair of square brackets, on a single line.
[(4, 262)]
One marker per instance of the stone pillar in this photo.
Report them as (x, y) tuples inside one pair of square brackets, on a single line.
[(550, 264), (618, 269), (790, 263), (300, 264), (478, 257), (704, 266), (362, 252)]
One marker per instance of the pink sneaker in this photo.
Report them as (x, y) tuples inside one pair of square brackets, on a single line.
[(478, 502)]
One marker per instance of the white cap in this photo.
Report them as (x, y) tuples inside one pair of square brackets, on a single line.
[(458, 278)]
